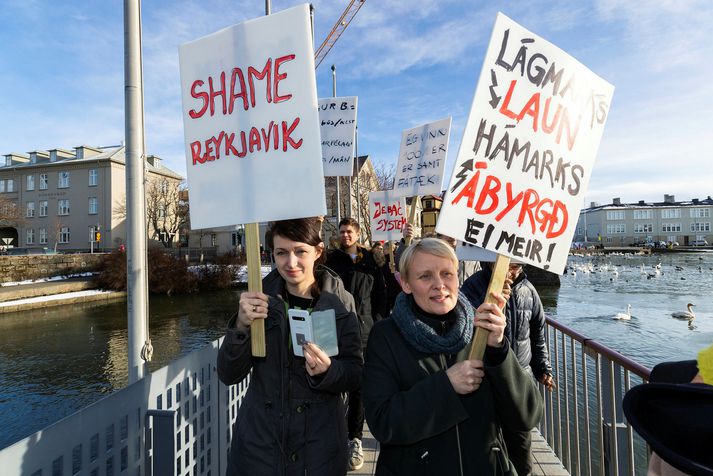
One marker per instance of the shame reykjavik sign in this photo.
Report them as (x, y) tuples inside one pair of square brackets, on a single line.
[(337, 120), (251, 122), (528, 150)]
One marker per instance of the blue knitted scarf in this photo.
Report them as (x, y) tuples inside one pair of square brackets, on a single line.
[(423, 337)]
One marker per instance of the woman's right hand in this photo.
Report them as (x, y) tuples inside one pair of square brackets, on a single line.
[(253, 305), (466, 376)]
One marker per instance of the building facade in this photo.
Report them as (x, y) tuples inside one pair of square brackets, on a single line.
[(70, 200), (687, 223)]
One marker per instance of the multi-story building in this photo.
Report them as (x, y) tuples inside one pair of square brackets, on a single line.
[(64, 198), (687, 223)]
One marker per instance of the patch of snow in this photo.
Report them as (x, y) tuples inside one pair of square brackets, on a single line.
[(54, 297), (45, 280)]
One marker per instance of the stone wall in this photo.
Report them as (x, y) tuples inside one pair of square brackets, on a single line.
[(20, 268)]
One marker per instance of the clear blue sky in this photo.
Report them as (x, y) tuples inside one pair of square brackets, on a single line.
[(409, 61)]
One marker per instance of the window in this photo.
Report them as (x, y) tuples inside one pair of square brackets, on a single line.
[(10, 185), (616, 229), (30, 211), (2, 186), (63, 207), (8, 161), (615, 215), (30, 236), (93, 177), (671, 227), (43, 236), (30, 182), (164, 187), (671, 213), (93, 205), (213, 239), (643, 214), (63, 180), (44, 181), (162, 211), (64, 234), (43, 208), (643, 228), (695, 212), (704, 226)]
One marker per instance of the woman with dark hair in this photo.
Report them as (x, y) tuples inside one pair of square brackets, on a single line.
[(292, 418), (433, 410)]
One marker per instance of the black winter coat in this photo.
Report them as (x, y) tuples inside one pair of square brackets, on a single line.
[(290, 423), (365, 282), (525, 320), (424, 426)]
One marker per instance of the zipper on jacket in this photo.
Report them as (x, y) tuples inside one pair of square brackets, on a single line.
[(444, 366)]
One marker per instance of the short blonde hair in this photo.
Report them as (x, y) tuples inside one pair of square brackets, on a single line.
[(432, 246)]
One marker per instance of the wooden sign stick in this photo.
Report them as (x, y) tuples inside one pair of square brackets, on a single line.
[(252, 248), (497, 279), (392, 260), (411, 216)]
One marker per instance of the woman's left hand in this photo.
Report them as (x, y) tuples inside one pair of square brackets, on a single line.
[(491, 318), (316, 361)]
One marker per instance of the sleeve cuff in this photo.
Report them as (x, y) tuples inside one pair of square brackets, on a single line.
[(495, 356)]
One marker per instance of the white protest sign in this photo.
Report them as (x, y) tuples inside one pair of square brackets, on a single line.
[(387, 215), (422, 159), (251, 122), (528, 150), (337, 119)]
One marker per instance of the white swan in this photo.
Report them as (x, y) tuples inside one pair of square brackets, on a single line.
[(624, 316), (687, 315)]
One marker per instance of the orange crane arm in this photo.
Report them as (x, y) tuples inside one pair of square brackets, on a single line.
[(337, 31)]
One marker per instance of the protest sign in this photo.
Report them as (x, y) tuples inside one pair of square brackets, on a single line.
[(337, 120), (251, 122), (528, 150), (422, 159), (387, 215)]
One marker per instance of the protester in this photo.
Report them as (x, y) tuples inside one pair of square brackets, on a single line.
[(433, 410), (526, 334), (363, 279), (674, 414), (382, 255), (289, 421)]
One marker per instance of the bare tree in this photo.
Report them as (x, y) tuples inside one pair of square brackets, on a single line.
[(57, 231), (10, 213), (371, 179)]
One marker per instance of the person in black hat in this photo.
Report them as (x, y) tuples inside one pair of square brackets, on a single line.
[(674, 414)]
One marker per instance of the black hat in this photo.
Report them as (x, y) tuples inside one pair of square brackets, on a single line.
[(677, 422)]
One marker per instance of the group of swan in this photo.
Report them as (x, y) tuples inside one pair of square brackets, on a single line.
[(683, 315)]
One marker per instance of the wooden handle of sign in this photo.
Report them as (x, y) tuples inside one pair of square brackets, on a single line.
[(497, 279), (252, 247), (411, 217), (392, 262)]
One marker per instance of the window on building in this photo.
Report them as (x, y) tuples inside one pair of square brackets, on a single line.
[(697, 212), (30, 210), (164, 187), (643, 214), (671, 238), (44, 181), (615, 229), (10, 185), (63, 180), (93, 205), (213, 239), (700, 226), (643, 228), (8, 161), (162, 211), (2, 186), (43, 208), (670, 227), (93, 177), (43, 236), (671, 213), (30, 236), (30, 180), (615, 215), (64, 234), (63, 207)]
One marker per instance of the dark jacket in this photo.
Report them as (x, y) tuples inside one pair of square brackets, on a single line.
[(424, 426), (525, 320), (290, 423), (365, 282)]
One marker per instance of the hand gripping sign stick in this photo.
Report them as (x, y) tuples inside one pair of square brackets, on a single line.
[(411, 217), (252, 245), (497, 279)]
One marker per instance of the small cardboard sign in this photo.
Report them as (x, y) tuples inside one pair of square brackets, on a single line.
[(422, 159), (387, 215), (528, 150), (337, 120), (251, 122)]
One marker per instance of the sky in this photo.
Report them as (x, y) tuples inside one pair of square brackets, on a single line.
[(408, 61)]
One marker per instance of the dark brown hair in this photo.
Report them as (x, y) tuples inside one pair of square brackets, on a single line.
[(349, 222)]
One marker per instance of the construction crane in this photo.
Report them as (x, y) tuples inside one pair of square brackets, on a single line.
[(337, 30)]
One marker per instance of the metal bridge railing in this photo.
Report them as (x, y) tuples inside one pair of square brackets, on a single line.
[(583, 420)]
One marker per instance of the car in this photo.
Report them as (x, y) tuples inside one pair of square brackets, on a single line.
[(29, 251), (700, 243)]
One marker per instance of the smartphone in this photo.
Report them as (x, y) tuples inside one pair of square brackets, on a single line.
[(300, 329)]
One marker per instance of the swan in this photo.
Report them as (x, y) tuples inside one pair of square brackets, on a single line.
[(624, 316), (687, 315)]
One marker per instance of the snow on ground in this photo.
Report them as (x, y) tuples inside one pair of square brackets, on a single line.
[(54, 297), (47, 280)]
